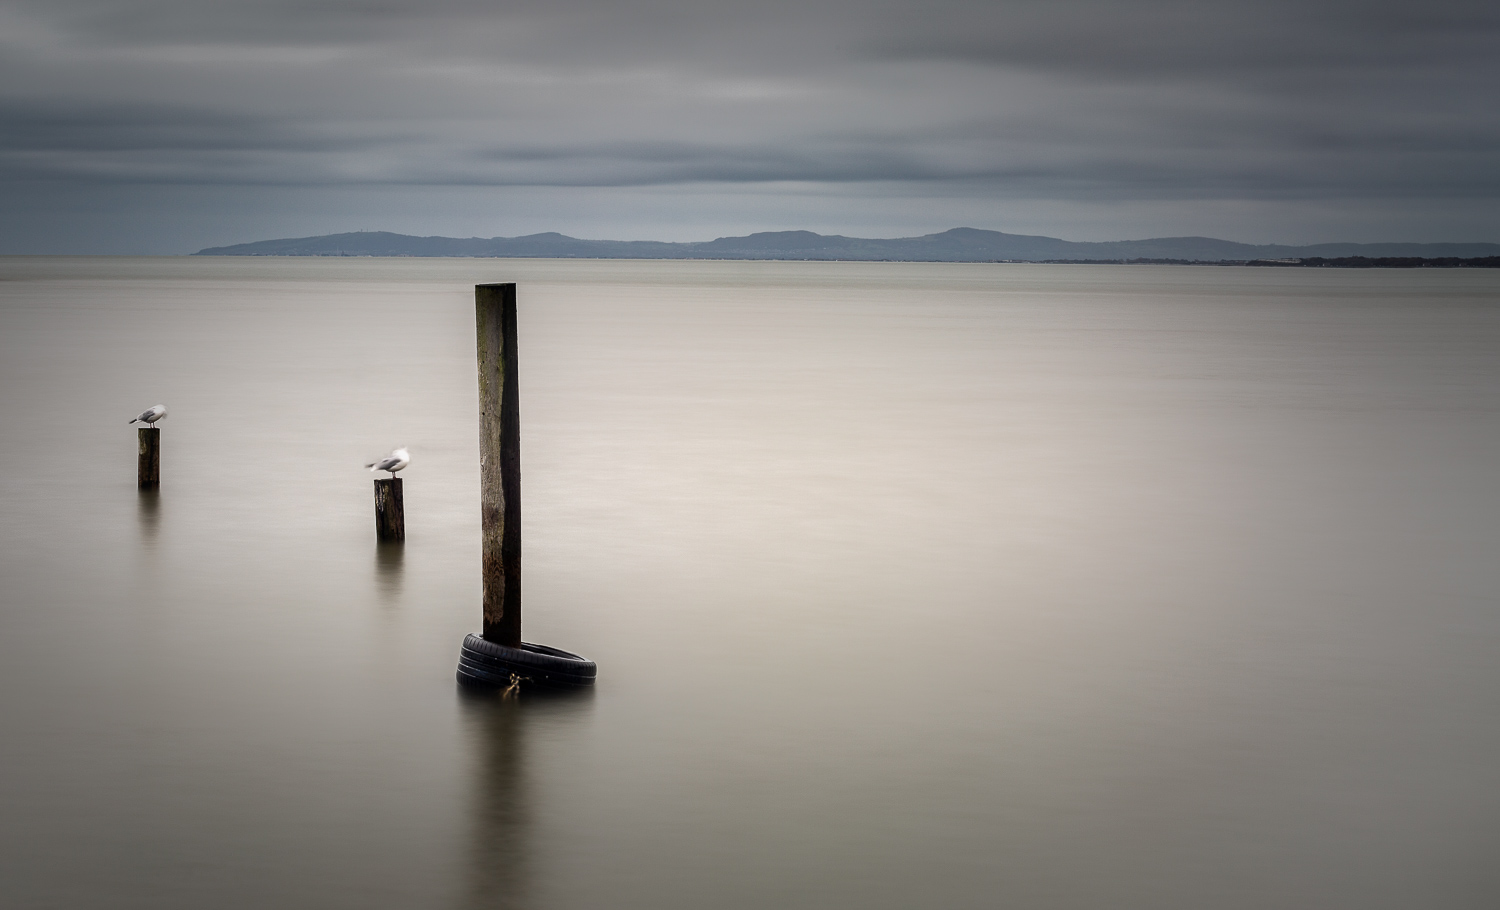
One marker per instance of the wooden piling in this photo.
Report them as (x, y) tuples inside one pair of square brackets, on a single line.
[(148, 465), (499, 461), (499, 658), (390, 513)]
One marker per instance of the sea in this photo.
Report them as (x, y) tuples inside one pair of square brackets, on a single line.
[(910, 586)]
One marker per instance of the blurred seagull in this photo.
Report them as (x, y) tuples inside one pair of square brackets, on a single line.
[(392, 462), (151, 415)]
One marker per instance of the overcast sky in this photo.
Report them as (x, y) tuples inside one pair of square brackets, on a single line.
[(164, 126)]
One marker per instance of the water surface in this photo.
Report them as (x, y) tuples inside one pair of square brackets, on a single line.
[(911, 585)]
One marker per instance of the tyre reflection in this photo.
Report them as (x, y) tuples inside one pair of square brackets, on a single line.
[(505, 807)]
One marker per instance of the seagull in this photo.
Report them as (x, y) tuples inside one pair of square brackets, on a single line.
[(151, 415), (392, 462)]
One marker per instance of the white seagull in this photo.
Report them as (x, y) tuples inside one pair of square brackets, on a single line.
[(392, 462), (151, 415)]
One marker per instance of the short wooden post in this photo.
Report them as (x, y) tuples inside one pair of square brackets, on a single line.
[(499, 461), (148, 466), (390, 514)]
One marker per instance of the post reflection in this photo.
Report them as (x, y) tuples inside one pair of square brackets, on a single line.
[(148, 514), (503, 800), (390, 559)]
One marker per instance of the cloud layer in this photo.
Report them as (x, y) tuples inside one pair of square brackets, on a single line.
[(1061, 105)]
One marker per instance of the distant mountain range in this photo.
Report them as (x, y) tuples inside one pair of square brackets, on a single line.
[(957, 245)]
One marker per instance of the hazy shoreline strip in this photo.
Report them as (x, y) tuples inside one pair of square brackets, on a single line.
[(956, 245)]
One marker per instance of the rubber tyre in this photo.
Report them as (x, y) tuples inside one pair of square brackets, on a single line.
[(485, 663)]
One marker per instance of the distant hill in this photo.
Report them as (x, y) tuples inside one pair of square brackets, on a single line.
[(957, 245)]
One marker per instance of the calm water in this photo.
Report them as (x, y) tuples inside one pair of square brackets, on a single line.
[(911, 586)]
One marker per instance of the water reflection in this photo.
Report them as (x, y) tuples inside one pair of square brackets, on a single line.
[(502, 730), (148, 514), (390, 558)]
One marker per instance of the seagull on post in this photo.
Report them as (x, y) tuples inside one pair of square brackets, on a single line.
[(151, 415), (392, 462)]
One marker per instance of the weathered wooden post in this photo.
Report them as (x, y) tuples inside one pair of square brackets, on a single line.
[(390, 514), (498, 656), (499, 461), (148, 466)]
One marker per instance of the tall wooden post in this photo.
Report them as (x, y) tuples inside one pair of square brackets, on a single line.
[(148, 467), (390, 513), (499, 658), (499, 461)]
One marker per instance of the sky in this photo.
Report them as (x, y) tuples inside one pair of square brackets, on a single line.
[(166, 126)]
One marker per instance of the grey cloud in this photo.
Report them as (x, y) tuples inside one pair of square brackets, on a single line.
[(1087, 36), (1217, 40), (1082, 101), (160, 128)]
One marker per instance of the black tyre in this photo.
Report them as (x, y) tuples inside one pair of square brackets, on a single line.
[(485, 663)]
